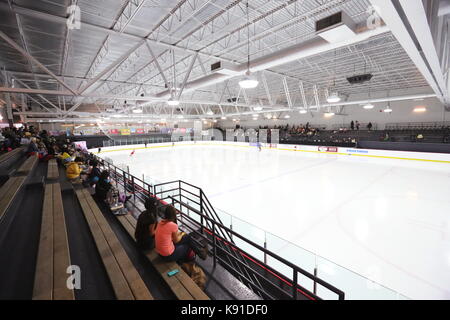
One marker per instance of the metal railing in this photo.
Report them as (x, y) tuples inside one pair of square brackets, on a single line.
[(198, 216)]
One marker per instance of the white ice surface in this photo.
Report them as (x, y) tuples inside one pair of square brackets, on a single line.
[(388, 220)]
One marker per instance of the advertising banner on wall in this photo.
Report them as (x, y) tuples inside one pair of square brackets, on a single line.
[(329, 149), (80, 145), (113, 131), (125, 132), (140, 131)]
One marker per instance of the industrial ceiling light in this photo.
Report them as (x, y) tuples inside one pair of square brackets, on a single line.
[(368, 105), (387, 110), (173, 103), (137, 111), (329, 114), (303, 111), (210, 112), (258, 108), (249, 82), (334, 98), (420, 109), (287, 116), (223, 118)]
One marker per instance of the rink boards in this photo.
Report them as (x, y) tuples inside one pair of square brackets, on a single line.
[(338, 151)]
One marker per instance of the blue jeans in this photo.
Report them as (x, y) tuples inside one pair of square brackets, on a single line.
[(181, 252)]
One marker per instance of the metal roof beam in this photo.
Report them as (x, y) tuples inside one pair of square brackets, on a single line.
[(36, 62), (393, 15)]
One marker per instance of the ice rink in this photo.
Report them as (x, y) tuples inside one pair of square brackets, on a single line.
[(388, 220)]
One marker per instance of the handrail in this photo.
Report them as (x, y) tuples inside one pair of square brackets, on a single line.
[(270, 253), (215, 224)]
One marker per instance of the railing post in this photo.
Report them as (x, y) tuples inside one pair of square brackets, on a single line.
[(315, 283), (179, 192), (124, 180), (265, 247), (201, 211), (214, 244), (294, 285), (231, 227), (134, 190)]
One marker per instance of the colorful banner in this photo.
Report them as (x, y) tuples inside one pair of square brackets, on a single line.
[(80, 145), (140, 131), (113, 131), (125, 132)]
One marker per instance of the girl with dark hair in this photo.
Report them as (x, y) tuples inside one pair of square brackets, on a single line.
[(103, 186), (175, 246), (146, 225), (94, 174)]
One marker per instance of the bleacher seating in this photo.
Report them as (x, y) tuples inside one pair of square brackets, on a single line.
[(126, 281), (53, 255), (181, 284), (10, 189)]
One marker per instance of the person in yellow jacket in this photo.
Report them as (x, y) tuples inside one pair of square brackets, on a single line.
[(65, 158), (73, 169)]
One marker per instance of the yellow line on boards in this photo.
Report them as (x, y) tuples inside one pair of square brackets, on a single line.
[(282, 149)]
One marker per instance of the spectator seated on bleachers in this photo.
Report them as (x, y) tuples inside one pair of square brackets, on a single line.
[(73, 169), (420, 137)]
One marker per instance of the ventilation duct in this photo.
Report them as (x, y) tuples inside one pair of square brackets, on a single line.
[(308, 48), (335, 28)]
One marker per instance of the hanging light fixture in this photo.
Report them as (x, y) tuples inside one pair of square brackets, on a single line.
[(249, 81), (388, 108), (420, 109), (368, 106), (258, 108), (303, 111), (209, 112), (173, 103), (334, 96)]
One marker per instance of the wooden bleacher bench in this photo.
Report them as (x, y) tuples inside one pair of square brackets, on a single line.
[(52, 172), (181, 284), (53, 255), (10, 189), (125, 280), (28, 165), (8, 155), (8, 192)]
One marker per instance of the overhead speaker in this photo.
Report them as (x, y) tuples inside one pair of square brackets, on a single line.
[(359, 79)]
